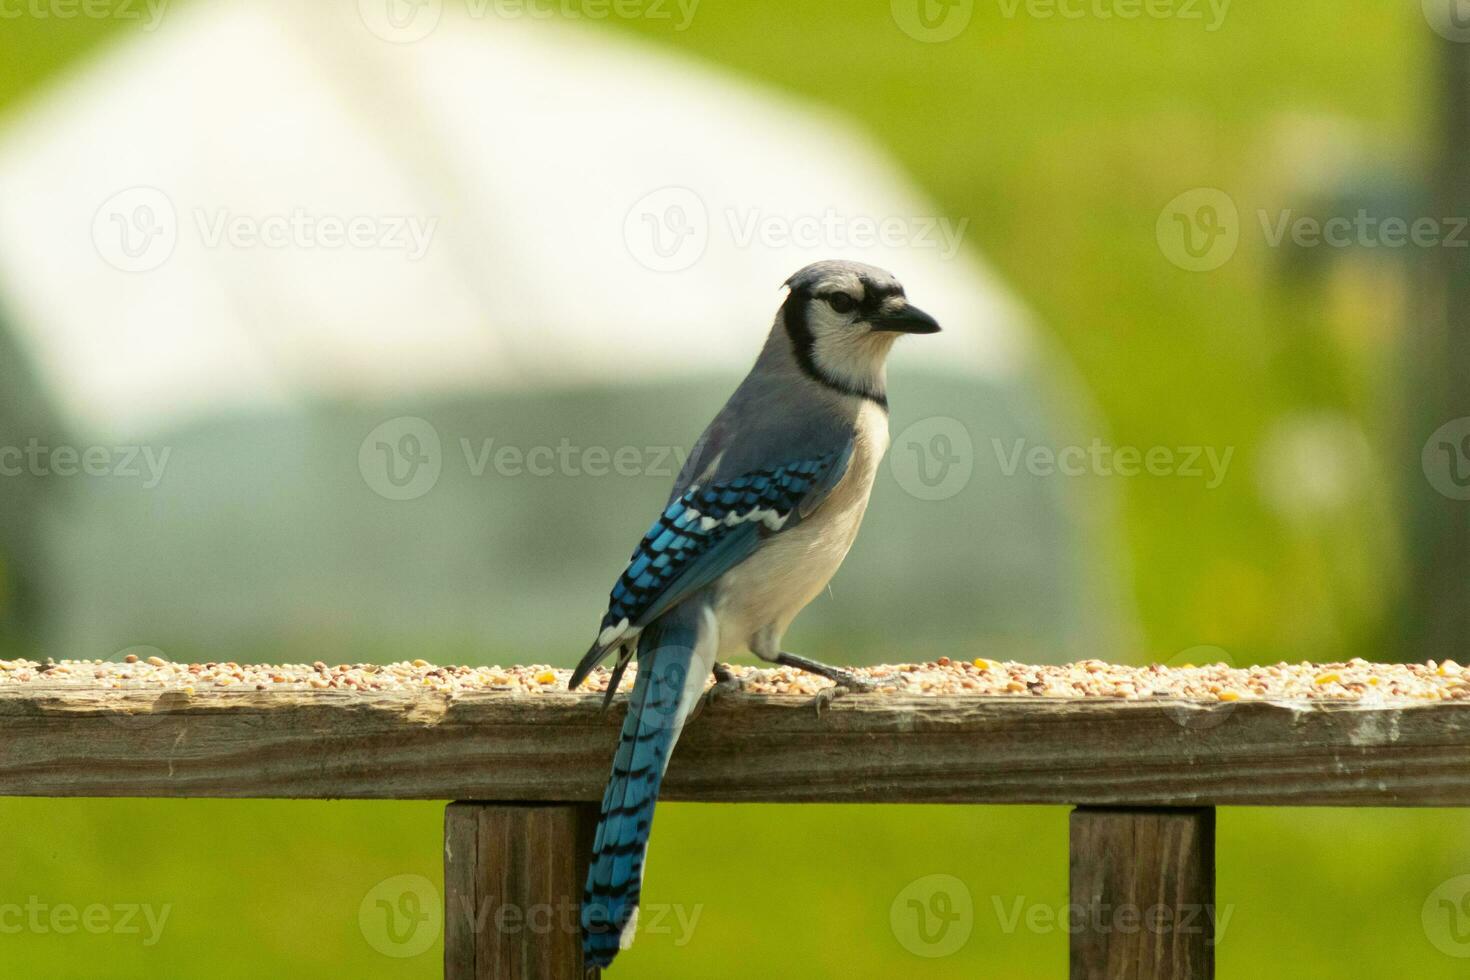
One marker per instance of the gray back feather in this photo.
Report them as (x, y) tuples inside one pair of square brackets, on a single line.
[(777, 415)]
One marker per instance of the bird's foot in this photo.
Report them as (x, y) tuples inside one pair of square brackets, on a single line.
[(849, 682), (843, 681), (826, 696), (837, 675), (726, 683), (852, 685)]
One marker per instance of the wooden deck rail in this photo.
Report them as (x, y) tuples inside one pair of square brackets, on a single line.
[(1144, 774)]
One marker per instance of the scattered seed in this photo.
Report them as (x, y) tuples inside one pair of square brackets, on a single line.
[(981, 677)]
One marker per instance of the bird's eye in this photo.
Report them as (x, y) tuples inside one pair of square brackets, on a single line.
[(842, 303)]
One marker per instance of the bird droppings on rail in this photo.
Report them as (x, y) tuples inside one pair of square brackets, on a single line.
[(1354, 681)]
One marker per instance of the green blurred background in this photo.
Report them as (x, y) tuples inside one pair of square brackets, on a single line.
[(1064, 139)]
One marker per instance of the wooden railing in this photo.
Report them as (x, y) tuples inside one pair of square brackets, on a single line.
[(528, 770)]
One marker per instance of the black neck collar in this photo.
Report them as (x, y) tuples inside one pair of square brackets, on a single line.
[(793, 314)]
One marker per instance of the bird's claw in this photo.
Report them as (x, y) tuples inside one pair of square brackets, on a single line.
[(726, 683), (849, 684), (826, 696)]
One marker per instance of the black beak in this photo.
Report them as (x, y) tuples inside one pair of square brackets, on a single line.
[(904, 319)]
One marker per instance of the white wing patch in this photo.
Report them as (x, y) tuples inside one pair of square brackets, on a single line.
[(772, 519), (613, 633)]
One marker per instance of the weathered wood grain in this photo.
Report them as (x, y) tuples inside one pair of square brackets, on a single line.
[(513, 879), (1143, 894), (863, 748)]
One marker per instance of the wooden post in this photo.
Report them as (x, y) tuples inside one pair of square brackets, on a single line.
[(513, 877), (1143, 892)]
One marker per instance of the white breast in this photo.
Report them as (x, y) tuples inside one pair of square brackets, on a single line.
[(757, 600)]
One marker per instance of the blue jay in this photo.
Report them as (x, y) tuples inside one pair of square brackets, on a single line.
[(760, 518)]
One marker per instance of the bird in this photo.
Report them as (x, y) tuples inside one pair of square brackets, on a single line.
[(759, 519)]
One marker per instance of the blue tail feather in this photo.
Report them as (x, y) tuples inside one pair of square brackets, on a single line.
[(666, 653)]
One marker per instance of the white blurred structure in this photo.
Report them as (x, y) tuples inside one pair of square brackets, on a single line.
[(270, 237)]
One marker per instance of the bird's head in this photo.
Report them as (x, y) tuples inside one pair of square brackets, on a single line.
[(842, 319)]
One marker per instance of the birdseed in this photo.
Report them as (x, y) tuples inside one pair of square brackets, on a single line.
[(1354, 680)]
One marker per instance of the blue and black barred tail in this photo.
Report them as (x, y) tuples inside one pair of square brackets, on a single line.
[(671, 677)]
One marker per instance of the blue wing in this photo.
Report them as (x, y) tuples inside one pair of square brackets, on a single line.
[(702, 534)]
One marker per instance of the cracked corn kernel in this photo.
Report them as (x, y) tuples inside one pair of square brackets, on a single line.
[(1228, 696), (421, 663), (982, 663), (546, 677), (1323, 679)]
